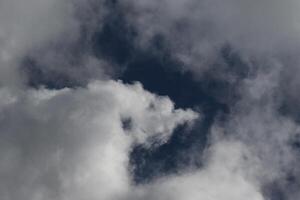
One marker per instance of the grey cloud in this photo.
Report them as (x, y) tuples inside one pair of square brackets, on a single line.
[(28, 24), (256, 122), (49, 32), (196, 30), (222, 177), (265, 34)]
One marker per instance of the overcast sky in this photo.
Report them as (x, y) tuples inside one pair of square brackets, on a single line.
[(149, 100)]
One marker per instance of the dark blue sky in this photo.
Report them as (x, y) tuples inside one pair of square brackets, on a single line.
[(159, 73)]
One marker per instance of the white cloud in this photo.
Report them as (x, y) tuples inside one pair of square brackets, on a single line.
[(70, 144)]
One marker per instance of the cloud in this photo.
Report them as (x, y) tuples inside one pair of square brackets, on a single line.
[(222, 177), (257, 122), (196, 31), (70, 144), (29, 24), (264, 35), (49, 37)]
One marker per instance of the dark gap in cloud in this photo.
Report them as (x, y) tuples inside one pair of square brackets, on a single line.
[(159, 73), (283, 188), (274, 191), (290, 110), (115, 41), (127, 123), (171, 157)]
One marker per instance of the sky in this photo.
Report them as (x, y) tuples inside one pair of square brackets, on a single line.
[(149, 100)]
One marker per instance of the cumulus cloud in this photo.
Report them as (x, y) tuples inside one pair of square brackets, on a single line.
[(70, 144)]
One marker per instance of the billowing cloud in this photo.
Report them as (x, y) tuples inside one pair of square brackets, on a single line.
[(70, 144)]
